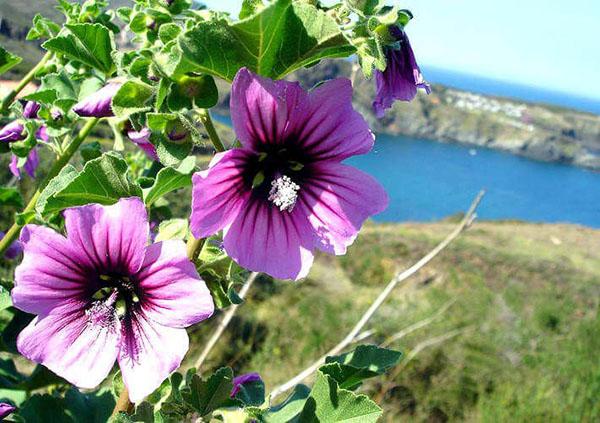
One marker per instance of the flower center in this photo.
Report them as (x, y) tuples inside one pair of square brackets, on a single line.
[(284, 193), (116, 297), (102, 312)]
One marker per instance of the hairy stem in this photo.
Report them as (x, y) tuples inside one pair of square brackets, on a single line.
[(400, 277), (10, 97), (61, 161), (206, 120)]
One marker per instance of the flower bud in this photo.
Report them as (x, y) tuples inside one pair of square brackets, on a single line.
[(11, 252), (31, 164), (98, 104), (176, 132), (14, 131), (142, 139), (31, 109)]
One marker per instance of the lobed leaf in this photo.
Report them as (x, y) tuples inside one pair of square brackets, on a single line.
[(7, 60), (282, 37), (328, 403), (90, 44), (103, 180)]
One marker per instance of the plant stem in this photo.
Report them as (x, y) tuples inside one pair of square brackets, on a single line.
[(10, 97), (61, 161), (123, 404), (206, 120), (194, 246)]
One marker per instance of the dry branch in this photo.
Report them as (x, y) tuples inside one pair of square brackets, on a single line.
[(400, 277)]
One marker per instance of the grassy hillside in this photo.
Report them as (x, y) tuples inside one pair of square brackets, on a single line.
[(526, 310)]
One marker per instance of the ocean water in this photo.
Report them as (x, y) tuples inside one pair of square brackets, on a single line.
[(427, 181)]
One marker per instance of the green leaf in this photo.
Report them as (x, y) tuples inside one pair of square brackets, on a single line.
[(281, 38), (252, 393), (90, 44), (168, 32), (289, 409), (205, 396), (193, 91), (132, 98), (328, 403), (43, 409), (5, 300), (95, 407), (169, 152), (24, 218), (371, 358), (42, 28), (103, 180), (172, 229), (10, 197), (250, 7), (169, 179), (7, 60), (364, 7)]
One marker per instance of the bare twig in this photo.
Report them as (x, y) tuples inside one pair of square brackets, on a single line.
[(224, 322), (400, 277), (417, 325)]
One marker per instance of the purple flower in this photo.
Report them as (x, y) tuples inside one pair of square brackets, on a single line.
[(14, 131), (240, 380), (142, 139), (6, 410), (285, 192), (42, 133), (401, 77), (98, 104), (31, 109), (13, 251), (102, 294), (30, 165)]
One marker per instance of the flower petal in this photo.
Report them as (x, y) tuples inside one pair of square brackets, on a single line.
[(98, 104), (173, 292), (112, 237), (263, 110), (14, 131), (401, 77), (337, 200), (50, 274), (331, 128), (264, 239), (219, 193), (73, 348), (149, 353), (142, 139)]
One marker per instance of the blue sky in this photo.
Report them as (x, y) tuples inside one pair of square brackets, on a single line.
[(553, 44)]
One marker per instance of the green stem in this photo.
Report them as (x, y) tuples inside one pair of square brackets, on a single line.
[(10, 97), (206, 120), (194, 246), (61, 161)]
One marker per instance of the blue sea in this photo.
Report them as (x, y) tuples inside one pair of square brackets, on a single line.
[(428, 180)]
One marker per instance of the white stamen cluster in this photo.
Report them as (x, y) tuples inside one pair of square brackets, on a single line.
[(101, 313), (284, 193)]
